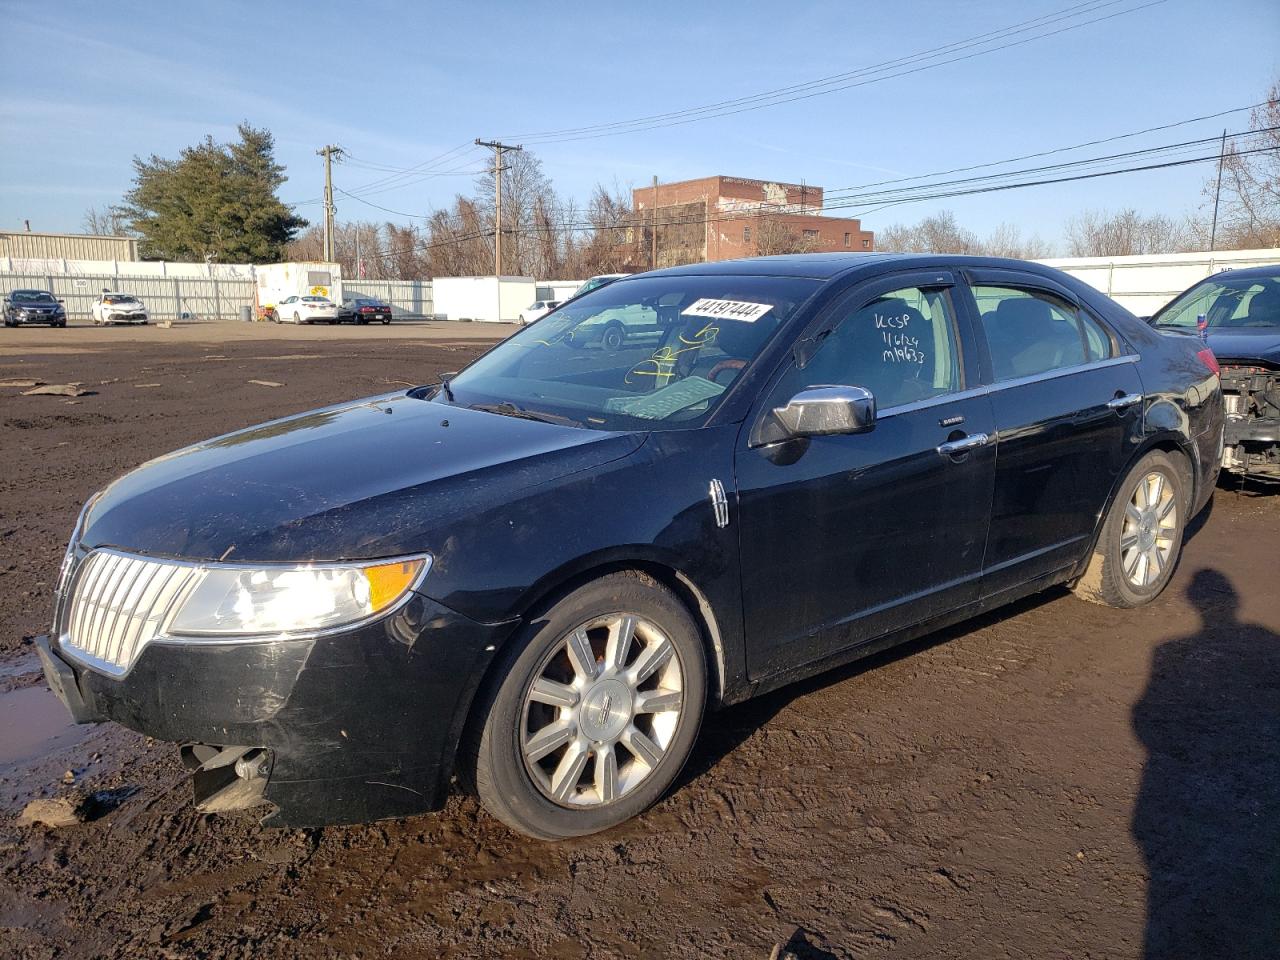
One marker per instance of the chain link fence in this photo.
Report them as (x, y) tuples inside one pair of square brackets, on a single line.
[(204, 298)]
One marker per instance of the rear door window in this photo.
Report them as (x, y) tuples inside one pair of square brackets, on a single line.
[(1031, 332)]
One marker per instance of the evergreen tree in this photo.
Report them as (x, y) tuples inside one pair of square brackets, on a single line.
[(215, 202)]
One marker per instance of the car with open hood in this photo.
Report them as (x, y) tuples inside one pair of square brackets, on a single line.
[(1237, 313), (537, 576)]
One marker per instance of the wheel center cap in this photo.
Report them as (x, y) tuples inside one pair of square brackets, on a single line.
[(606, 709)]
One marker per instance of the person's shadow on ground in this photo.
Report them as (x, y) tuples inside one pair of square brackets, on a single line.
[(1208, 812)]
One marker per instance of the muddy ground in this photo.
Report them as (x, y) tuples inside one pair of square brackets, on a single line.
[(1057, 780)]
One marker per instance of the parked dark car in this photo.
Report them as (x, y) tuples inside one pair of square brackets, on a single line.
[(1241, 310), (364, 310), (539, 572), (23, 307)]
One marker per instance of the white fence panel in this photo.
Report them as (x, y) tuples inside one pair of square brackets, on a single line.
[(1145, 284), (410, 299), (167, 298)]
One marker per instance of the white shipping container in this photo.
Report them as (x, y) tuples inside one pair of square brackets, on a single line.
[(277, 281), (486, 299)]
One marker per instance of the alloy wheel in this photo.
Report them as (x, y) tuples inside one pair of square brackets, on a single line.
[(1149, 531), (602, 710)]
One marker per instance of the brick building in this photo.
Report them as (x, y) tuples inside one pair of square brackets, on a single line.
[(719, 218)]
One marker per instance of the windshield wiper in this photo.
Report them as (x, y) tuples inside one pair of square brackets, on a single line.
[(511, 410)]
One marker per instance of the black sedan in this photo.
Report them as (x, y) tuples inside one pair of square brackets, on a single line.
[(364, 310), (539, 574), (24, 307), (1237, 312)]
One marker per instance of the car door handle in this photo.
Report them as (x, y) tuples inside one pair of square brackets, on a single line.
[(971, 442), (1124, 402)]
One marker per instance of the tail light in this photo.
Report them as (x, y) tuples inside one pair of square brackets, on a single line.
[(1209, 360)]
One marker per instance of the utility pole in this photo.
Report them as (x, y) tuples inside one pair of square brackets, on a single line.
[(653, 235), (498, 150), (1217, 193), (328, 152)]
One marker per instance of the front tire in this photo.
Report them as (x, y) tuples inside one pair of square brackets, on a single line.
[(1141, 539), (594, 711)]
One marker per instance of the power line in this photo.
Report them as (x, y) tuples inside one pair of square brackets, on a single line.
[(967, 191), (1046, 153), (1073, 10), (889, 68), (924, 190)]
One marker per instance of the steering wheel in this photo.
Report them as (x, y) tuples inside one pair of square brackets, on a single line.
[(733, 363)]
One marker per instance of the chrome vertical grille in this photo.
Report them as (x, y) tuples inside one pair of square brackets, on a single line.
[(117, 605)]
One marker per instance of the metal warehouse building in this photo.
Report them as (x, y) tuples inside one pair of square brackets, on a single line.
[(24, 245)]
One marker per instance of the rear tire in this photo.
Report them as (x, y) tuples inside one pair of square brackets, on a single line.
[(1141, 538), (621, 747), (613, 337)]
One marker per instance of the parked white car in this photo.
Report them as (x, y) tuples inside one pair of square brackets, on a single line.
[(118, 308), (306, 310), (537, 310)]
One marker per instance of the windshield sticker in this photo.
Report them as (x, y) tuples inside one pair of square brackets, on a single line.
[(666, 401), (739, 310)]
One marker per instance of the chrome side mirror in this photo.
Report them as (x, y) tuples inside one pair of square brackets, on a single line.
[(824, 411)]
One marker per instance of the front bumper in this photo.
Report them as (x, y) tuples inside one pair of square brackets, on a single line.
[(356, 726)]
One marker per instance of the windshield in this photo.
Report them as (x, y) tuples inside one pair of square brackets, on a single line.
[(1226, 303), (594, 282), (31, 296), (643, 353), (314, 300), (118, 298)]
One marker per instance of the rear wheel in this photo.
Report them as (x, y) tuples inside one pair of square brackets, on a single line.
[(613, 337), (595, 712), (1141, 538), (297, 318), (386, 321)]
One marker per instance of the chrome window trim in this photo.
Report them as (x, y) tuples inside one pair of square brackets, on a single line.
[(1000, 385)]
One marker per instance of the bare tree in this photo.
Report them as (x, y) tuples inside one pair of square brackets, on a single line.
[(776, 237), (1006, 240), (939, 233), (1124, 233), (110, 221), (1249, 201)]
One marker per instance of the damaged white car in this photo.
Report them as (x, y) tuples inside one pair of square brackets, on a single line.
[(118, 308)]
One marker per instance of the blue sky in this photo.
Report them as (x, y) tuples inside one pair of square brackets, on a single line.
[(85, 86)]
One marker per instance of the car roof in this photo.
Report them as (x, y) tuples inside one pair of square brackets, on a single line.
[(1246, 273), (828, 266)]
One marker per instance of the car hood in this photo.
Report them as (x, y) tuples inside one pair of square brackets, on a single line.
[(1248, 343), (373, 478)]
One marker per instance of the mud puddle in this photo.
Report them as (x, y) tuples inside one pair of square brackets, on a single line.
[(34, 723)]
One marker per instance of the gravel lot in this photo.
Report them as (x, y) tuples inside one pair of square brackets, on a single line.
[(1057, 780)]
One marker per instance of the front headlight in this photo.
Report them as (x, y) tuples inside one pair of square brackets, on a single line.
[(238, 600)]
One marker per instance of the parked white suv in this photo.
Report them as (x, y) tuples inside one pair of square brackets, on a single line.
[(306, 310), (118, 308)]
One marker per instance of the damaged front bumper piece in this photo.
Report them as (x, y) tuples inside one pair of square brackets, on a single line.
[(347, 727)]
